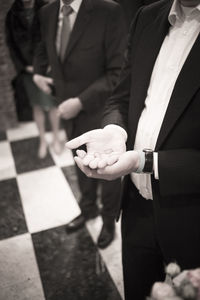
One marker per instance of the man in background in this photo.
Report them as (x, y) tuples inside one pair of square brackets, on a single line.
[(82, 45)]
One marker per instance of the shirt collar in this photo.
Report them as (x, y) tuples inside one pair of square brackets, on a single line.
[(75, 5), (176, 12)]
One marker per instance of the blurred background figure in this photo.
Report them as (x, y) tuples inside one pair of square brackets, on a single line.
[(38, 199), (83, 41), (22, 35)]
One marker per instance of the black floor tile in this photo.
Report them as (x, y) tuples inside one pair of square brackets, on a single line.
[(12, 220), (70, 175), (71, 268), (3, 136), (25, 153)]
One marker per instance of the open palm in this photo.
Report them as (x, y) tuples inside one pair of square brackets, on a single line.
[(127, 163), (104, 146)]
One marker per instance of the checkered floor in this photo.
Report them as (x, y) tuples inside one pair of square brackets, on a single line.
[(38, 260)]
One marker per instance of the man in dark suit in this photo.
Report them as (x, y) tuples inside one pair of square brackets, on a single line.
[(157, 105), (82, 43)]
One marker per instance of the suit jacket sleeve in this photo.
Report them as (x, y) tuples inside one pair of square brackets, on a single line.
[(115, 41), (179, 172), (40, 61), (116, 109)]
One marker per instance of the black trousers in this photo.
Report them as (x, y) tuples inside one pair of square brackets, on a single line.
[(149, 241), (110, 194), (141, 255)]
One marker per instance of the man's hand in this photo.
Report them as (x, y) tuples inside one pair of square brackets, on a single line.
[(104, 146), (29, 69), (70, 108), (43, 83), (127, 162)]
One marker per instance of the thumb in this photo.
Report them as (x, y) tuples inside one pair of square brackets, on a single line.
[(77, 142), (49, 80)]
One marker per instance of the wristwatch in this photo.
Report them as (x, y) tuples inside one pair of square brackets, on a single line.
[(148, 165)]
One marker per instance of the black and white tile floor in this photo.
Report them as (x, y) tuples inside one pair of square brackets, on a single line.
[(38, 260)]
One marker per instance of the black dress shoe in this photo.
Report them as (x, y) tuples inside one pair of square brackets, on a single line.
[(106, 235), (75, 224)]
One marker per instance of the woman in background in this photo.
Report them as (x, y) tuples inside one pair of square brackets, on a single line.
[(23, 34)]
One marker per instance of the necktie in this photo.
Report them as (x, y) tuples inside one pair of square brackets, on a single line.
[(66, 30)]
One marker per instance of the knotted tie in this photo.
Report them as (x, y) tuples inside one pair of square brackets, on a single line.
[(66, 30)]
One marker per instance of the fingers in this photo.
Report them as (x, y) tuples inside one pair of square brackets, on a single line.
[(94, 163), (49, 80), (46, 89), (60, 110), (96, 160), (112, 159), (88, 159), (92, 136), (79, 163), (102, 163), (86, 170), (81, 153), (106, 173), (77, 142)]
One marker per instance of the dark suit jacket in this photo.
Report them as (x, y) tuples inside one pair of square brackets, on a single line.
[(177, 192), (93, 57), (22, 38)]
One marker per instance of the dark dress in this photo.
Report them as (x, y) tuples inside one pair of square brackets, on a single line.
[(22, 33)]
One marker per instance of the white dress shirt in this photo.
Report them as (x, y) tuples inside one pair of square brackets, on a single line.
[(185, 27), (75, 5)]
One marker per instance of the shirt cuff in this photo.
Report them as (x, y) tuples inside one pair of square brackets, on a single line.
[(141, 162), (119, 128), (155, 165)]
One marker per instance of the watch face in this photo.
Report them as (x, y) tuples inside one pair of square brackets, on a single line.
[(147, 150)]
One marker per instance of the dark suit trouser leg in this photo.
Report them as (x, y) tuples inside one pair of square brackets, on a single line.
[(88, 188), (142, 259), (110, 197)]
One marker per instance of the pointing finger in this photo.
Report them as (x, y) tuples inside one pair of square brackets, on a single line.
[(77, 142)]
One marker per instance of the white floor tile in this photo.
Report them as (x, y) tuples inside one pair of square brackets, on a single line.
[(19, 275), (65, 159), (7, 165), (47, 199), (23, 131), (29, 290), (62, 136), (112, 254)]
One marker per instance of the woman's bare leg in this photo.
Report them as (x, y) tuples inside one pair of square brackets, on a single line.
[(39, 117), (55, 125)]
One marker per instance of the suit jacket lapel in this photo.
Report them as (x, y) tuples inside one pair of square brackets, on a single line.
[(186, 85), (82, 20), (148, 46)]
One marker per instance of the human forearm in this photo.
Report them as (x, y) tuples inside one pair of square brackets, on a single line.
[(113, 45)]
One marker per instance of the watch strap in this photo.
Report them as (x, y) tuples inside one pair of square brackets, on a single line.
[(148, 165)]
